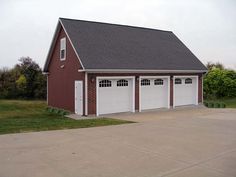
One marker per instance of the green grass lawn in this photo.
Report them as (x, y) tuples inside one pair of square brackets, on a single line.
[(27, 116), (230, 102)]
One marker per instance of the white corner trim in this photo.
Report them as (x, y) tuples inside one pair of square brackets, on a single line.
[(86, 93), (72, 44), (139, 95), (202, 87), (97, 107), (133, 106), (168, 80)]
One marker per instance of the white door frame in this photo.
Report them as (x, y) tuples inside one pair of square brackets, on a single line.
[(153, 77), (115, 77), (80, 99), (185, 76)]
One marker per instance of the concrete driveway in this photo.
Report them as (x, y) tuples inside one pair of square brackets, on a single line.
[(182, 143)]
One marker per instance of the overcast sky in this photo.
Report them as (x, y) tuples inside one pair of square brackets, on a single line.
[(207, 27)]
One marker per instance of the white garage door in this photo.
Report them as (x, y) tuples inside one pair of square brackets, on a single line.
[(185, 91), (154, 93), (115, 95)]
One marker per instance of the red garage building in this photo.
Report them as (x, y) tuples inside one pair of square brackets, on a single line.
[(100, 68)]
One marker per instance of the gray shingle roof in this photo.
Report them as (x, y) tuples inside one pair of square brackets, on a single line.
[(110, 46)]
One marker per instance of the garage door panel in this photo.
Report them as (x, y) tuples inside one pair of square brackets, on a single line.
[(115, 99), (185, 94), (154, 96)]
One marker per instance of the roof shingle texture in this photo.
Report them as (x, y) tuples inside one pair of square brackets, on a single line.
[(109, 46)]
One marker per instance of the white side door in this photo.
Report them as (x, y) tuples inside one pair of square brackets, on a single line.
[(79, 97)]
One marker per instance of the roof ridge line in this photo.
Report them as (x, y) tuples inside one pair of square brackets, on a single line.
[(106, 23)]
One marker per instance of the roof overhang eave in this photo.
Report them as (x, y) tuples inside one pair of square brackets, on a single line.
[(140, 71)]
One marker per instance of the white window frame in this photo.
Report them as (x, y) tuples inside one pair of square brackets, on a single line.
[(110, 78), (154, 77), (184, 77), (63, 48)]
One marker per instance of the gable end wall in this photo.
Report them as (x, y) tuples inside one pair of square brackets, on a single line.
[(62, 76)]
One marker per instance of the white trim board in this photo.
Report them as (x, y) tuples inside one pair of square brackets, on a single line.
[(141, 71), (86, 93)]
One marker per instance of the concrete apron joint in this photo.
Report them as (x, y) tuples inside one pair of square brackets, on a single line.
[(200, 164)]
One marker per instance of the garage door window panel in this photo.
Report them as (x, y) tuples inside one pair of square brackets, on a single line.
[(188, 81), (145, 82), (158, 82), (178, 81), (105, 83), (122, 83)]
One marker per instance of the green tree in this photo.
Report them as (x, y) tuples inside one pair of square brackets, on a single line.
[(41, 87), (219, 83), (25, 80), (30, 70), (21, 85)]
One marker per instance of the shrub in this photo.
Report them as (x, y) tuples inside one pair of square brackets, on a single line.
[(206, 104), (222, 105), (220, 83), (58, 111), (210, 105), (216, 105)]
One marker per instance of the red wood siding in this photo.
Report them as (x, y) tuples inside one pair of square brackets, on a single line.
[(61, 79), (91, 94)]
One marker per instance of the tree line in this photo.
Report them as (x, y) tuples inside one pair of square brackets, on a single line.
[(24, 81)]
